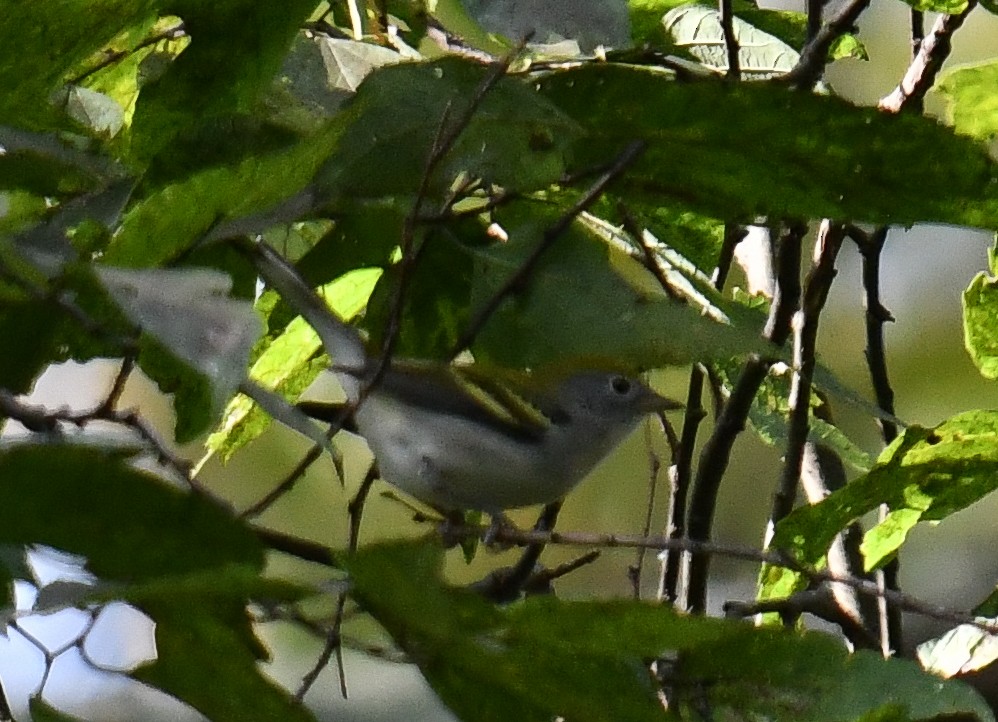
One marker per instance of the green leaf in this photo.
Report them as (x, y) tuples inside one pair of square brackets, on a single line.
[(188, 312), (949, 7), (206, 651), (925, 475), (172, 219), (33, 328), (543, 659), (453, 16), (42, 711), (515, 137), (239, 47), (646, 20), (194, 397), (348, 62), (697, 29), (971, 104), (960, 651), (820, 157), (288, 365), (769, 414), (980, 324), (848, 46), (130, 525), (585, 296), (57, 38)]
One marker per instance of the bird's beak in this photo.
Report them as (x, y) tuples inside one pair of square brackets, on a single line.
[(653, 403)]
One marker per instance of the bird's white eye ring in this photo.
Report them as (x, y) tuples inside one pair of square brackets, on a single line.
[(621, 385)]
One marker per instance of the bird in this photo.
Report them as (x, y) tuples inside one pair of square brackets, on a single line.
[(466, 437)]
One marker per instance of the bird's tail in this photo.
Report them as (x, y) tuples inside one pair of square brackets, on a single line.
[(342, 342)]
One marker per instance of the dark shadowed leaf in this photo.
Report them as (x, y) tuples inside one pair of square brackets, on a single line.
[(542, 659), (772, 151), (130, 525)]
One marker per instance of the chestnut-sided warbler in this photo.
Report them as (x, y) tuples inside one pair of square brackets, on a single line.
[(459, 438)]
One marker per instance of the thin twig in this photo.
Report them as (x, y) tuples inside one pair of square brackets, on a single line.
[(891, 626), (303, 549), (648, 257), (750, 554), (816, 288), (814, 57), (681, 473), (41, 420), (120, 380), (289, 481), (730, 41), (925, 66), (507, 586), (814, 12), (446, 136), (716, 453), (703, 548), (355, 509), (917, 31), (519, 278), (635, 571), (330, 647)]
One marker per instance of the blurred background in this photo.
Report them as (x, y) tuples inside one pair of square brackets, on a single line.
[(925, 270)]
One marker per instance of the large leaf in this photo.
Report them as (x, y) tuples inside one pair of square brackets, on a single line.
[(545, 659), (206, 651), (130, 525), (239, 47), (515, 138), (697, 28), (171, 220), (925, 475), (584, 298), (56, 38), (788, 155), (288, 364)]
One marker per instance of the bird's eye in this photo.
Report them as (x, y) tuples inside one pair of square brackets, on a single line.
[(621, 385)]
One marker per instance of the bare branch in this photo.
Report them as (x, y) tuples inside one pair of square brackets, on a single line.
[(716, 452), (871, 248), (921, 74), (681, 472), (815, 293)]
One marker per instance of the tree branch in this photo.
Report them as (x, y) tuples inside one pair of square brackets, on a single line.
[(925, 66), (716, 452), (814, 57)]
